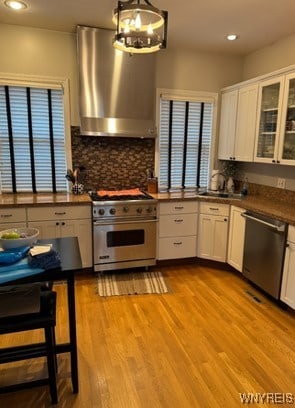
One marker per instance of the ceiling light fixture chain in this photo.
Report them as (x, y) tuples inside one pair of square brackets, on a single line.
[(140, 28)]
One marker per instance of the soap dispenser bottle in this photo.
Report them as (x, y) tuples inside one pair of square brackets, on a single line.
[(245, 187)]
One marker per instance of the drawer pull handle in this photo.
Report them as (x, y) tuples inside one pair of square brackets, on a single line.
[(178, 220), (60, 213), (213, 209), (178, 208), (177, 243), (6, 215)]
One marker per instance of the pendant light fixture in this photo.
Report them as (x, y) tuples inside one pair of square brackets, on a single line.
[(141, 27)]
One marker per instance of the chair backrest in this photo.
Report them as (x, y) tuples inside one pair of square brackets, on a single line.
[(21, 299)]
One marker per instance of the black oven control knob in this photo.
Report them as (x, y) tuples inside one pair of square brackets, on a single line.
[(125, 209), (149, 210), (139, 210), (112, 211), (101, 211)]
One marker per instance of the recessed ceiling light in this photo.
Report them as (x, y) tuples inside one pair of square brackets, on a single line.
[(232, 37), (15, 5)]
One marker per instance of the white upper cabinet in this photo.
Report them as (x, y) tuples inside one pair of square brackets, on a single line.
[(275, 141), (238, 123), (269, 116), (286, 145), (246, 123), (228, 113)]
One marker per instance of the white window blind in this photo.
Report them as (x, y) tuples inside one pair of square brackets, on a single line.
[(185, 136), (32, 139)]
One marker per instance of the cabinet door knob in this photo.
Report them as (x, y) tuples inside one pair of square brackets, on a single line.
[(273, 161), (57, 223), (63, 223), (278, 161), (225, 219)]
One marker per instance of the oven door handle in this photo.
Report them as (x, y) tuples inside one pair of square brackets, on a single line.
[(127, 221)]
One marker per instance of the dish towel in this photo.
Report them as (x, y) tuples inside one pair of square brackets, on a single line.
[(44, 257), (13, 255)]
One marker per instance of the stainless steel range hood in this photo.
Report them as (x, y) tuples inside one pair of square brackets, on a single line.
[(116, 90)]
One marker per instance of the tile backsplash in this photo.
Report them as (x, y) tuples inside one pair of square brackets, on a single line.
[(112, 162)]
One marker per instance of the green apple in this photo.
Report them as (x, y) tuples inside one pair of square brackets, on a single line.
[(11, 235)]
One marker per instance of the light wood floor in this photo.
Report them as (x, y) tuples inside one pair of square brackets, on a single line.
[(198, 346)]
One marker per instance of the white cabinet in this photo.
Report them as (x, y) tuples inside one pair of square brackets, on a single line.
[(268, 125), (65, 221), (236, 238), (238, 124), (286, 144), (177, 230), (246, 123), (275, 140), (213, 231), (12, 218), (227, 128), (288, 281)]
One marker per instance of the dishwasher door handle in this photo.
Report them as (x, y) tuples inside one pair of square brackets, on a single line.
[(274, 227)]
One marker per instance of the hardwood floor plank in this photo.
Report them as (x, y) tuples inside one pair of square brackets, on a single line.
[(200, 345)]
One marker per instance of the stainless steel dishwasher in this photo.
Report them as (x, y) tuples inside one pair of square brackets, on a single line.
[(264, 249)]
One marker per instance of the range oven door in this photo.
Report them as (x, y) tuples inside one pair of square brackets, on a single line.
[(120, 244)]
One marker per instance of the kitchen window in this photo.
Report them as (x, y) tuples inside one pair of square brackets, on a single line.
[(34, 145), (185, 145)]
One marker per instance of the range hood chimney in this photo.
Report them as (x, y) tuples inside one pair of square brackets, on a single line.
[(116, 90)]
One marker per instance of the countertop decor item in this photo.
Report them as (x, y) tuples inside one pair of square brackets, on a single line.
[(141, 27), (18, 237), (78, 188)]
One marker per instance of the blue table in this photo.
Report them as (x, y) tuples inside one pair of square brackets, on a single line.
[(69, 251)]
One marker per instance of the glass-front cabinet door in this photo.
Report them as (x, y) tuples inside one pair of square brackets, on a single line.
[(268, 123), (286, 153)]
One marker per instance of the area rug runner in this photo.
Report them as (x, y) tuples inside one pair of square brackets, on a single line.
[(131, 283)]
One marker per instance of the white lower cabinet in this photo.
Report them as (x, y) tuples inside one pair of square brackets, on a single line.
[(177, 230), (236, 238), (12, 218), (213, 231), (288, 281), (65, 221)]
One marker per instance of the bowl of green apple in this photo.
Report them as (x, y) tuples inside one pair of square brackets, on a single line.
[(18, 237)]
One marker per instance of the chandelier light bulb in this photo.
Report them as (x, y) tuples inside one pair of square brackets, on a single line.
[(150, 30), (138, 21)]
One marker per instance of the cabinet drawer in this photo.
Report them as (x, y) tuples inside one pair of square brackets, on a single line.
[(12, 215), (177, 225), (179, 207), (180, 247), (291, 234), (214, 209), (59, 212)]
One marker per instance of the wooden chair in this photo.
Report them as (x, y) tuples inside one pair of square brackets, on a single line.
[(29, 307)]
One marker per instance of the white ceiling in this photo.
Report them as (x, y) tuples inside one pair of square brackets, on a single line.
[(196, 24)]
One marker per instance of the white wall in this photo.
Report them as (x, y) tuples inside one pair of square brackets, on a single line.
[(197, 71), (42, 52), (277, 55), (33, 51)]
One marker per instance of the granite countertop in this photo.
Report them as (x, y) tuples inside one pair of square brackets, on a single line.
[(282, 210), (269, 206), (44, 199)]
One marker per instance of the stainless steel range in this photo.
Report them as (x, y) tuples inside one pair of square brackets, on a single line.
[(124, 229)]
